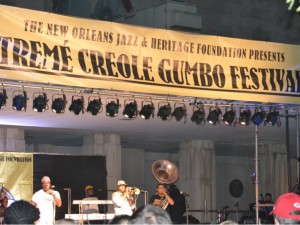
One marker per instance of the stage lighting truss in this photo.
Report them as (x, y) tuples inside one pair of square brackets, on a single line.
[(258, 116), (164, 111), (130, 108), (245, 116), (214, 115), (94, 105), (40, 102), (112, 107), (19, 102), (59, 102), (77, 104), (198, 116), (229, 116), (147, 110), (180, 111), (3, 97), (272, 117)]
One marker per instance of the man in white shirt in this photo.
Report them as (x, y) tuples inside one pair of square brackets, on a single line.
[(124, 203), (46, 200)]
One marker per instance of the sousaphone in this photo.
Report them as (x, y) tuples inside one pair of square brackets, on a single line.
[(165, 171)]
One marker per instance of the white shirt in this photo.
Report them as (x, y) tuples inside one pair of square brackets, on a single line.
[(90, 208), (121, 204), (45, 203)]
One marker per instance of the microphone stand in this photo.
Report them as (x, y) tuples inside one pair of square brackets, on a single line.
[(69, 199), (54, 206), (186, 210)]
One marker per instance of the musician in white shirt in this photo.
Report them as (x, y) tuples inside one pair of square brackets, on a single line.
[(124, 203)]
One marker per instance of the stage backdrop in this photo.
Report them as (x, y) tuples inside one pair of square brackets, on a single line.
[(75, 172), (21, 175), (47, 48)]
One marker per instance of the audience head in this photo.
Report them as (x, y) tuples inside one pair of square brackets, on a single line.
[(21, 212), (287, 209), (150, 215), (120, 219)]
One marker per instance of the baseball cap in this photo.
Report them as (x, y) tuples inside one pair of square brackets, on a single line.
[(287, 206), (89, 187), (121, 182)]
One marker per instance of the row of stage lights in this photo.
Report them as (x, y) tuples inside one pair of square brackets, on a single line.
[(95, 106)]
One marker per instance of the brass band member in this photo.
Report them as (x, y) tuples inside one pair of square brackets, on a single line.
[(124, 203), (162, 198)]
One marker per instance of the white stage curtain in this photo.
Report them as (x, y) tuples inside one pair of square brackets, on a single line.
[(197, 175), (273, 176)]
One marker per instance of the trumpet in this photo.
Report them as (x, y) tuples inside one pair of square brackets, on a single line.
[(135, 190)]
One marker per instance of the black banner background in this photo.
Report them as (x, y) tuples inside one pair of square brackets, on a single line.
[(75, 172)]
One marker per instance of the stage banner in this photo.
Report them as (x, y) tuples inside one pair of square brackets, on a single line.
[(16, 175), (54, 49)]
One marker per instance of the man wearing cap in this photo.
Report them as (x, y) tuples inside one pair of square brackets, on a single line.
[(287, 209), (123, 200), (89, 195), (46, 200)]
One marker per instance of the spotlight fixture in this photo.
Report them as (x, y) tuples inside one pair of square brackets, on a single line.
[(130, 109), (198, 116), (245, 117), (258, 116), (77, 104), (164, 111), (40, 102), (3, 97), (19, 100), (229, 116), (59, 103), (179, 111), (147, 110), (112, 107), (213, 115), (272, 117), (94, 106)]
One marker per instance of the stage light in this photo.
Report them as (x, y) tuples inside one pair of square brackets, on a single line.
[(229, 117), (258, 116), (245, 117), (179, 111), (94, 106), (59, 103), (198, 116), (77, 104), (19, 100), (3, 98), (130, 109), (112, 107), (40, 102), (147, 110), (164, 111), (272, 117), (213, 115)]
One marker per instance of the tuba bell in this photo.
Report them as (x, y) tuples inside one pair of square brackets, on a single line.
[(165, 172)]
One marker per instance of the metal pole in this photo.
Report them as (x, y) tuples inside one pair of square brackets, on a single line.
[(205, 211), (298, 150), (256, 172), (288, 154)]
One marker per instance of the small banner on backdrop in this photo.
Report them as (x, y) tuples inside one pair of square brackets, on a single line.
[(54, 49), (16, 175)]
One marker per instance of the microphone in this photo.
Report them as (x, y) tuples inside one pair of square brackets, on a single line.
[(67, 189), (185, 194), (52, 187), (143, 191)]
